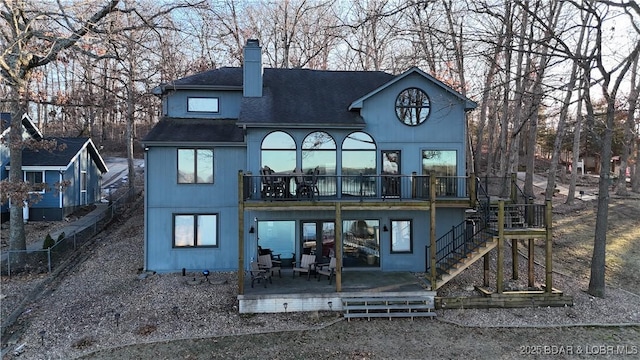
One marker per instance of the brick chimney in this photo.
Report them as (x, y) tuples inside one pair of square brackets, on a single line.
[(252, 69)]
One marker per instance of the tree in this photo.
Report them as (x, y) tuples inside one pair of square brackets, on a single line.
[(609, 85), (34, 37)]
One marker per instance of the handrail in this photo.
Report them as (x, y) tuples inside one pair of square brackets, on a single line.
[(288, 186)]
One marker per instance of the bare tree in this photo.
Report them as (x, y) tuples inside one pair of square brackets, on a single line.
[(628, 143), (34, 37)]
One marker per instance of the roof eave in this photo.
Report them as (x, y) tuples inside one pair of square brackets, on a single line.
[(191, 143)]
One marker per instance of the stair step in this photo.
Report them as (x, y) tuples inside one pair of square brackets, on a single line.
[(388, 306)]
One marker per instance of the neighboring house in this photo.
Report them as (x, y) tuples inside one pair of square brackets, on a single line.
[(70, 176), (362, 145), (29, 131)]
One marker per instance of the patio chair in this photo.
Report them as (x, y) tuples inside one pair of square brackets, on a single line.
[(309, 185), (327, 269), (258, 274), (273, 185), (265, 262), (307, 265)]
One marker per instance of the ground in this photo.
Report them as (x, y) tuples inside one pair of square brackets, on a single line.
[(105, 308)]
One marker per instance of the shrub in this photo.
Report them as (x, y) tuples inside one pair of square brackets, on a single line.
[(60, 237), (48, 242)]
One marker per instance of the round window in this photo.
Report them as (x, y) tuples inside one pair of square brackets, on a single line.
[(413, 106)]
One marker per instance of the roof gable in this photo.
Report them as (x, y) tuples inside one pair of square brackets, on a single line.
[(65, 157), (469, 104), (27, 124)]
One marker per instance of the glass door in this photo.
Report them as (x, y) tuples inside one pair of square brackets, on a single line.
[(318, 238), (361, 243)]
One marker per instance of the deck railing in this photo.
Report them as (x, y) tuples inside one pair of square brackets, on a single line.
[(290, 187)]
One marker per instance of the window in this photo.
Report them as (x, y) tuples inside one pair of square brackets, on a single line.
[(361, 243), (278, 152), (443, 163), (358, 158), (401, 240), (278, 236), (195, 166), (319, 151), (83, 181), (195, 230), (413, 106), (36, 179), (202, 104)]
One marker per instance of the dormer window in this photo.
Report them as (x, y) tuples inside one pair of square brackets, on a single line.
[(203, 104)]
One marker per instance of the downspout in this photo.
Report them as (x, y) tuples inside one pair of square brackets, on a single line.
[(146, 210)]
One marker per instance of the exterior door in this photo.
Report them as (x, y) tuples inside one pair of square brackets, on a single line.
[(391, 173), (318, 238)]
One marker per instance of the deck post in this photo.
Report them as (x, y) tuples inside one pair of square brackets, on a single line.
[(240, 233), (473, 196), (531, 264), (338, 245), (500, 258), (414, 178), (514, 259), (486, 270), (432, 228), (548, 244), (514, 188)]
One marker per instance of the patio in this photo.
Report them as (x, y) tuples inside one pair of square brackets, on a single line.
[(297, 294)]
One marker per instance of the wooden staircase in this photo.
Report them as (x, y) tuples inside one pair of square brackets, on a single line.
[(459, 262), (388, 306)]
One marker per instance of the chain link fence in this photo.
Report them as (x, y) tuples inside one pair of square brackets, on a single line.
[(45, 260)]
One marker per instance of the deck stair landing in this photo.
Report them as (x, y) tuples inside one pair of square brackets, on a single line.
[(388, 306)]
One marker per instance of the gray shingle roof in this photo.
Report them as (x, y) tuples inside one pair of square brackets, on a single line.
[(62, 157), (310, 98), (291, 98), (195, 131)]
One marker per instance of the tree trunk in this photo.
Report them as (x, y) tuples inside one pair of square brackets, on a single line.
[(627, 145), (576, 148), (17, 238)]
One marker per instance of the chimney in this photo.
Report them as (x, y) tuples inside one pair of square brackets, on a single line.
[(252, 69)]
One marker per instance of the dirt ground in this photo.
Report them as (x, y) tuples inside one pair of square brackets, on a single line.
[(325, 335), (574, 228)]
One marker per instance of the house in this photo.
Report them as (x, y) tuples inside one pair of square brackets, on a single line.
[(29, 131), (303, 161), (64, 179)]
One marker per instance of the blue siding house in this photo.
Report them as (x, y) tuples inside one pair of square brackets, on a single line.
[(29, 131), (348, 164), (64, 179)]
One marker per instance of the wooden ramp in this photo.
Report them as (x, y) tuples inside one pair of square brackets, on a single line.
[(388, 306)]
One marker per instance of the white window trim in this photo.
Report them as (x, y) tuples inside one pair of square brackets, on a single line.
[(44, 180)]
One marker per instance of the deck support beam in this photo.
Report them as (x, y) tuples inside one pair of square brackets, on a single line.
[(486, 270), (338, 245), (240, 234), (514, 259), (432, 230), (548, 245), (500, 258), (531, 264)]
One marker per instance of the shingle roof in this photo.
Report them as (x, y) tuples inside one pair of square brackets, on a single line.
[(62, 157), (195, 131), (310, 98), (294, 97)]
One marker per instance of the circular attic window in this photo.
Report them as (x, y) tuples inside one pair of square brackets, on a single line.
[(413, 106)]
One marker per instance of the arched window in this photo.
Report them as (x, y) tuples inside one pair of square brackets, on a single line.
[(319, 151), (278, 151), (358, 158)]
